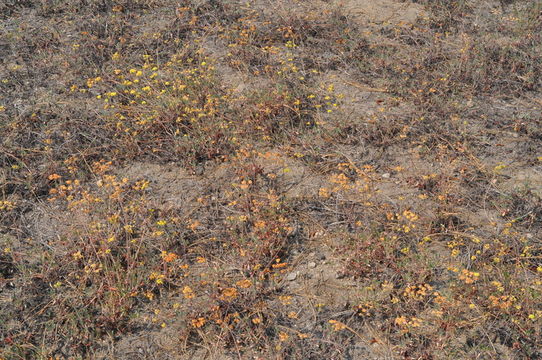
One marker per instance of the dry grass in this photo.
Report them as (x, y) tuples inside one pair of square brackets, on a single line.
[(205, 179)]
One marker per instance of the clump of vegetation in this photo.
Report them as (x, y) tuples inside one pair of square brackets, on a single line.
[(242, 179)]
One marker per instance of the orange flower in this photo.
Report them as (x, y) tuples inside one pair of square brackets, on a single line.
[(194, 225), (199, 322), (168, 257), (337, 325), (229, 292), (244, 283)]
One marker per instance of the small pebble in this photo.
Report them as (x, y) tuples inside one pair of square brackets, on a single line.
[(291, 276), (311, 265)]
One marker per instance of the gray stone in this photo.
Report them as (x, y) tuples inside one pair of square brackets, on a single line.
[(291, 276)]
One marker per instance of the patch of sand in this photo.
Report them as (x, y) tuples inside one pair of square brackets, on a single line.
[(382, 11)]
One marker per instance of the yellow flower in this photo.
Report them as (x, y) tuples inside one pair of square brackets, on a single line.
[(188, 293), (401, 321), (285, 299)]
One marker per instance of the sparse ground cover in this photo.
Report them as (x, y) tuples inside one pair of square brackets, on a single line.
[(270, 180)]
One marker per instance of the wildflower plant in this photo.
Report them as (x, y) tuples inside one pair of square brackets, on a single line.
[(270, 179)]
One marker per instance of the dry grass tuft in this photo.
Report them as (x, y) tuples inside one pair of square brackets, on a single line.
[(225, 179)]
